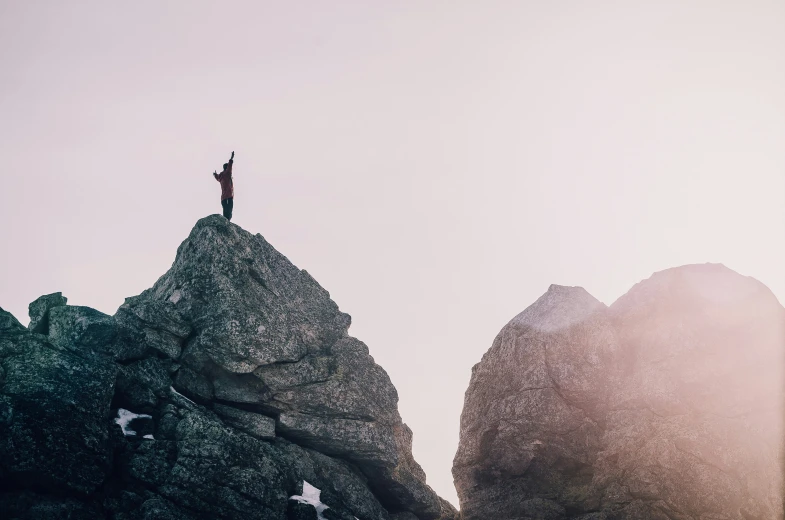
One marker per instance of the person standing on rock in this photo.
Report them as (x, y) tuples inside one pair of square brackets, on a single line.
[(227, 188)]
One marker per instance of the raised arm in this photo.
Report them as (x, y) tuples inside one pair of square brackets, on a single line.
[(231, 162)]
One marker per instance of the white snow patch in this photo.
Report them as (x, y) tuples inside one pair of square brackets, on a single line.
[(149, 436), (175, 297), (260, 329), (312, 496), (175, 392), (124, 417)]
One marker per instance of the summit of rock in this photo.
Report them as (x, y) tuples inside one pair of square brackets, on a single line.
[(217, 393), (665, 405), (560, 307)]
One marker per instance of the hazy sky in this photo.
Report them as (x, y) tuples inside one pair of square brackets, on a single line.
[(434, 165)]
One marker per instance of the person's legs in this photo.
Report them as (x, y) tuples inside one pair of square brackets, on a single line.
[(228, 204), (225, 207)]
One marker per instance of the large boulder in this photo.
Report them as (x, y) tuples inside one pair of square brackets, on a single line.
[(530, 428), (668, 404), (39, 311), (81, 329), (267, 337), (248, 305), (54, 414), (230, 389)]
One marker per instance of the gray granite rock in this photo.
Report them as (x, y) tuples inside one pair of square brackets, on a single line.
[(266, 336), (82, 330), (668, 404), (8, 321), (254, 424), (39, 311), (54, 415), (28, 505), (157, 324), (215, 394), (248, 305), (141, 384)]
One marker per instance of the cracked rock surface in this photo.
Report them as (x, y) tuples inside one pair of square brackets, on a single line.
[(666, 405), (214, 394)]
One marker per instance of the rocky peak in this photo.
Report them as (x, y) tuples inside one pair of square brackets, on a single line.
[(666, 405), (559, 308), (248, 304), (710, 340), (219, 392)]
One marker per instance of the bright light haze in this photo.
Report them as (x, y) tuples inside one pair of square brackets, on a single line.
[(434, 165)]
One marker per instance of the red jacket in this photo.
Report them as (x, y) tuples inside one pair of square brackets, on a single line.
[(225, 178)]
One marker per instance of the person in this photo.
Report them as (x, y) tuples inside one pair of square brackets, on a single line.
[(227, 188)]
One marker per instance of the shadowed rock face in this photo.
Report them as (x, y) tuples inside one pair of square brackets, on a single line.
[(666, 405), (214, 394)]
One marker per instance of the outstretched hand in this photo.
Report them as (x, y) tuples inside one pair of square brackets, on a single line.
[(232, 155)]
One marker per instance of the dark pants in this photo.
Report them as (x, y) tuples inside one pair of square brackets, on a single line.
[(228, 204)]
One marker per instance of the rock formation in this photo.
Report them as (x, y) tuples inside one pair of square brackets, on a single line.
[(666, 405), (227, 388)]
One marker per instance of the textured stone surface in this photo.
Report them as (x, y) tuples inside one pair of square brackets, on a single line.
[(8, 323), (254, 424), (155, 324), (266, 336), (214, 394), (248, 304), (54, 412), (39, 311), (666, 405), (82, 330)]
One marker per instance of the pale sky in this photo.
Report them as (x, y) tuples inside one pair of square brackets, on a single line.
[(435, 165)]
